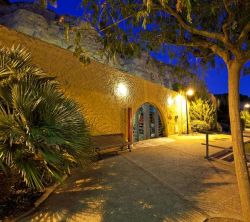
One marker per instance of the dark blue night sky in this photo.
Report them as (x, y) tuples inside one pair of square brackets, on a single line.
[(216, 78)]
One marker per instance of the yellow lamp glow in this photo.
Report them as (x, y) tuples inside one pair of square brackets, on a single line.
[(190, 92), (180, 101), (122, 90), (170, 101), (247, 105)]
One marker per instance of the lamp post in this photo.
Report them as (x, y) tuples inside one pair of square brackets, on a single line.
[(189, 93)]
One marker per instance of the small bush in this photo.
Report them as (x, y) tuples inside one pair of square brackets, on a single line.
[(246, 116), (202, 115), (199, 126)]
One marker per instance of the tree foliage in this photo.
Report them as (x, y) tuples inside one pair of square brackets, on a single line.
[(209, 27), (42, 132), (245, 115), (45, 3), (182, 79)]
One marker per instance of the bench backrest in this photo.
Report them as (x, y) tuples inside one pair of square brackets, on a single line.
[(106, 140)]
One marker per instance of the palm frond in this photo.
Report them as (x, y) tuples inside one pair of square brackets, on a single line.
[(41, 130)]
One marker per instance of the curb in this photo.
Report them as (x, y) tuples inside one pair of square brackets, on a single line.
[(222, 219), (45, 195)]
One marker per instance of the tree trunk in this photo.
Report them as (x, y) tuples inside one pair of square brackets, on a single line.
[(237, 140)]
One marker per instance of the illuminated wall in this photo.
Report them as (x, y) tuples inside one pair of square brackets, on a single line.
[(103, 92)]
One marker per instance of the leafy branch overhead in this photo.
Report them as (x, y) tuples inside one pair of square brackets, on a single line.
[(220, 27)]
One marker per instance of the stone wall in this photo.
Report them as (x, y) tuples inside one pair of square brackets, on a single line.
[(94, 87), (43, 24)]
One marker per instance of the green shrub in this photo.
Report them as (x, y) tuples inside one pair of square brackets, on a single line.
[(204, 113), (246, 116), (42, 132), (199, 126)]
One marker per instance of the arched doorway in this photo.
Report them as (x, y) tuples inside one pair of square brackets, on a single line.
[(147, 123)]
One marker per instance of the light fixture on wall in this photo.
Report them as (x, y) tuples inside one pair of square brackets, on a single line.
[(189, 93), (180, 104), (180, 101), (122, 90), (170, 101)]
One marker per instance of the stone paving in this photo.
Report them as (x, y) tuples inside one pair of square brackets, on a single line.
[(164, 179)]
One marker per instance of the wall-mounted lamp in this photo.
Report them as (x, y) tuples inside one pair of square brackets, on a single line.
[(190, 92), (180, 101), (122, 90), (170, 101)]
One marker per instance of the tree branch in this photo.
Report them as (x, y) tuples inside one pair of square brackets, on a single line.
[(243, 34), (117, 22), (246, 56), (206, 34), (229, 20), (211, 35), (208, 45), (197, 43)]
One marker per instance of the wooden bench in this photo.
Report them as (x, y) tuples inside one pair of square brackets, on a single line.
[(109, 143)]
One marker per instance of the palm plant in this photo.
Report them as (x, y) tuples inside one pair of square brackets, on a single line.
[(42, 132)]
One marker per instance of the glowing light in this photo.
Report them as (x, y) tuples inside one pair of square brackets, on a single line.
[(170, 101), (180, 101), (122, 90), (61, 19), (247, 105), (190, 92)]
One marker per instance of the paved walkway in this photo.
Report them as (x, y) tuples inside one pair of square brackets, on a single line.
[(164, 179)]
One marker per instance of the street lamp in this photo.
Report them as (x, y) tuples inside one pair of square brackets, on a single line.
[(189, 93), (170, 101), (247, 106)]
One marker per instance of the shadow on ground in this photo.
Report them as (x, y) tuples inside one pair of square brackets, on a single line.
[(154, 183)]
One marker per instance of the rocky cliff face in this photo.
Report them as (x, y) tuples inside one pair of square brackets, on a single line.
[(44, 25)]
